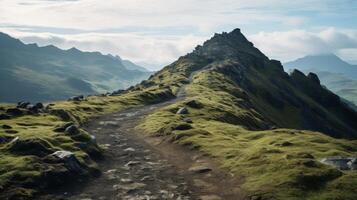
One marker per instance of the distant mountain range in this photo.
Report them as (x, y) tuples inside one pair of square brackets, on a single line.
[(336, 74), (33, 73)]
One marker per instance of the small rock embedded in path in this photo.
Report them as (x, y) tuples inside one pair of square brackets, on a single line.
[(210, 197), (200, 169), (126, 180), (132, 163), (130, 149), (109, 123), (129, 187)]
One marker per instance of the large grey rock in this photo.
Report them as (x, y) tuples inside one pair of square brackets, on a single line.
[(69, 159), (352, 164), (182, 111), (61, 114), (14, 112), (194, 104), (72, 130), (341, 163), (63, 127), (4, 116)]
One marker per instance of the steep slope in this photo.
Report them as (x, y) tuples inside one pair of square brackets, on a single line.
[(262, 88), (246, 112), (33, 73), (339, 76)]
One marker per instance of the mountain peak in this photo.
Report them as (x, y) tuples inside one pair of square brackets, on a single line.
[(228, 45), (9, 42)]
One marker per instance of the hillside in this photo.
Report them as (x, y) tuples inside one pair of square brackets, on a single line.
[(32, 73), (258, 86), (336, 74), (227, 100)]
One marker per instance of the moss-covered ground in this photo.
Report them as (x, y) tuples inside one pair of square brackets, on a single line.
[(24, 170), (274, 163)]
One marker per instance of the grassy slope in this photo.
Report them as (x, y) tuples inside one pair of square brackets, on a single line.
[(21, 170), (274, 163)]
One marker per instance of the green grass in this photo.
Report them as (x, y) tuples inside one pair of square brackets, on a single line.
[(23, 172), (274, 164)]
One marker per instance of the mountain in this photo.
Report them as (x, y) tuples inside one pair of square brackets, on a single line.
[(226, 102), (130, 65), (271, 129), (339, 76), (33, 73), (328, 62), (266, 95)]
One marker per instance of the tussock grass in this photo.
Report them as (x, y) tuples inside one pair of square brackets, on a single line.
[(274, 163)]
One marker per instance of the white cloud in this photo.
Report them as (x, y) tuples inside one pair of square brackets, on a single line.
[(206, 15), (289, 45), (159, 31)]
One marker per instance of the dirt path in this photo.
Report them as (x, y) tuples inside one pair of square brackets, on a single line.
[(138, 167)]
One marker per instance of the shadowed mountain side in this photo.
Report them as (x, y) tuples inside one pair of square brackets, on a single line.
[(33, 73), (261, 88)]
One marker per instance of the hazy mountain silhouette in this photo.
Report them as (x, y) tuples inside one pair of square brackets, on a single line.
[(33, 73)]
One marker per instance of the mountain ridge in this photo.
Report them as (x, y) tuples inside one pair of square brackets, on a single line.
[(49, 73), (232, 55), (336, 74)]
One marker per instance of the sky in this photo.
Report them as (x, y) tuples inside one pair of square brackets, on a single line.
[(154, 33)]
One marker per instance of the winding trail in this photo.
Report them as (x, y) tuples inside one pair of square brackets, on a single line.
[(139, 167)]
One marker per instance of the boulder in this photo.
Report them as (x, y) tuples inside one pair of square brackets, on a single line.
[(341, 163), (72, 130), (34, 108), (14, 112), (352, 164), (182, 110), (6, 126), (182, 127), (194, 104), (93, 140), (64, 115), (62, 127), (36, 146), (4, 116), (69, 159), (188, 120), (22, 104)]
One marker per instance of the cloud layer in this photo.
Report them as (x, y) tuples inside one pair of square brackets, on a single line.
[(156, 32), (289, 45)]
